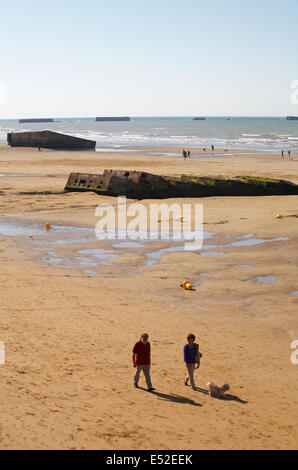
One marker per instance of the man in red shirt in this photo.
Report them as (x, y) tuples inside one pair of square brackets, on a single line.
[(141, 360)]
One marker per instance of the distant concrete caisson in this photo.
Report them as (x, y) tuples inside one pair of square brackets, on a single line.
[(48, 139), (121, 118), (22, 121)]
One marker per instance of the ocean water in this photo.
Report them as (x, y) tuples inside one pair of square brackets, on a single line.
[(254, 133)]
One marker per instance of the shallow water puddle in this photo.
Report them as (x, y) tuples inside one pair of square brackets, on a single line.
[(262, 280), (128, 245), (162, 154), (69, 263), (16, 228), (99, 253), (65, 237), (90, 272), (117, 150), (248, 266), (295, 293), (256, 241), (154, 256), (247, 235), (194, 155), (212, 253), (90, 258), (10, 228)]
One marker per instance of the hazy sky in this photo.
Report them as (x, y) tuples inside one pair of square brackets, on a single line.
[(147, 57)]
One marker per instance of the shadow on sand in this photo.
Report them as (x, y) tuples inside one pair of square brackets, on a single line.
[(226, 397), (173, 398)]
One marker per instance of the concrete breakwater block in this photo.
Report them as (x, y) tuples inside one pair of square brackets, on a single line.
[(142, 185), (48, 139)]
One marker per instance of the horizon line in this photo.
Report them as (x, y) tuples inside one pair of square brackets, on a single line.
[(153, 116)]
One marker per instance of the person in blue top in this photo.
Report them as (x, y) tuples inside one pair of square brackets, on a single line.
[(190, 351)]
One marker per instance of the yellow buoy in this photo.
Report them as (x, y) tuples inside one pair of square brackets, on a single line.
[(278, 216), (188, 286), (47, 226), (184, 284)]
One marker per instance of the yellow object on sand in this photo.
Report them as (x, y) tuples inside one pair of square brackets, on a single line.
[(278, 216), (47, 226), (180, 219), (188, 286), (184, 284)]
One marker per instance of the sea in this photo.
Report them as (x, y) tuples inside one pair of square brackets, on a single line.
[(269, 134)]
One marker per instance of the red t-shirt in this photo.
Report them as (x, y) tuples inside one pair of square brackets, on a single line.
[(142, 352)]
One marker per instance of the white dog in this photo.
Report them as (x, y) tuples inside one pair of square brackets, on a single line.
[(215, 391)]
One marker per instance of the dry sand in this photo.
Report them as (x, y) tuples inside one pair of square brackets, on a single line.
[(67, 381)]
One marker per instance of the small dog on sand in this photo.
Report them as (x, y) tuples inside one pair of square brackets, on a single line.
[(215, 391)]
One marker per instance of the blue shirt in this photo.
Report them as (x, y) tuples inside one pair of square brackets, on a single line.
[(189, 354)]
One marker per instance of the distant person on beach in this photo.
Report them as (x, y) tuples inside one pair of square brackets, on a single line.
[(282, 154), (188, 154), (184, 154), (141, 360), (212, 147), (191, 358), (289, 153)]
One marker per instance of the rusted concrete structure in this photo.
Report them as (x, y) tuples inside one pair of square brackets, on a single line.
[(48, 139), (142, 185), (21, 121), (123, 118), (137, 184)]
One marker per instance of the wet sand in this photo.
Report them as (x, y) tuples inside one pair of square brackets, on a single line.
[(67, 380)]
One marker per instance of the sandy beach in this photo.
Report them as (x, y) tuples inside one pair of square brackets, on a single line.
[(67, 382)]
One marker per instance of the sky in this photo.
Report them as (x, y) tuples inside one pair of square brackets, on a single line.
[(75, 58)]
